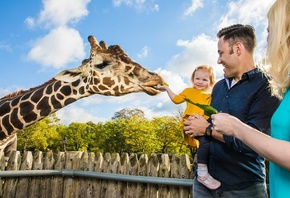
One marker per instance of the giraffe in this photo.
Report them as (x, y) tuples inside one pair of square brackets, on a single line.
[(108, 71)]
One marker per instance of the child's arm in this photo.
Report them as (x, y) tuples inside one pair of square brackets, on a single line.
[(168, 90)]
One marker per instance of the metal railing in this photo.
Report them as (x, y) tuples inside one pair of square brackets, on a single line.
[(99, 175)]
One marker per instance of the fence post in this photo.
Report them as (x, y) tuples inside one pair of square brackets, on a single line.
[(152, 171), (164, 172), (70, 177), (2, 168)]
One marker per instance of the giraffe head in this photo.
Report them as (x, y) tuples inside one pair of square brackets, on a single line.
[(110, 71)]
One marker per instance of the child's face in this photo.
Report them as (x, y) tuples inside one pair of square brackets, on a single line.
[(201, 80)]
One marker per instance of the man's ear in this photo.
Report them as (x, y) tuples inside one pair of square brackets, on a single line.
[(238, 48)]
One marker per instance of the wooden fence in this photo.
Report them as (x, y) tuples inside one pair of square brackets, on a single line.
[(154, 165)]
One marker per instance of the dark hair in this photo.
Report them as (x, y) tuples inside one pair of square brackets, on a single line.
[(239, 33)]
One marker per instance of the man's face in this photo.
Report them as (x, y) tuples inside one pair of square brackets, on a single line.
[(227, 58)]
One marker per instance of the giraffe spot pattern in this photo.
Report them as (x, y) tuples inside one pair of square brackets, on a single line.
[(54, 101), (118, 75), (5, 108), (15, 121), (9, 128), (43, 103)]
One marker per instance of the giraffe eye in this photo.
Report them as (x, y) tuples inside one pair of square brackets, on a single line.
[(102, 65)]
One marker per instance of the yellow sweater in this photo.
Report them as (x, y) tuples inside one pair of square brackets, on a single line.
[(196, 96)]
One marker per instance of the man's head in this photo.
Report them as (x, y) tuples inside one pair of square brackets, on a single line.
[(236, 47), (239, 33)]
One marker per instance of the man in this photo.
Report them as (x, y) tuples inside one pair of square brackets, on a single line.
[(245, 94)]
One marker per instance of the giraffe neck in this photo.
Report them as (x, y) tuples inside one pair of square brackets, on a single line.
[(23, 110)]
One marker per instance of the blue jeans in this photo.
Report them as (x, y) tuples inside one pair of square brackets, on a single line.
[(257, 190)]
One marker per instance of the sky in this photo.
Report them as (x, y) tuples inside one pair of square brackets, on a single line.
[(40, 38)]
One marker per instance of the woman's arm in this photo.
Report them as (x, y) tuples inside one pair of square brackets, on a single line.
[(277, 151)]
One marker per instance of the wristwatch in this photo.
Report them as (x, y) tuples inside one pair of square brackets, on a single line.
[(208, 130)]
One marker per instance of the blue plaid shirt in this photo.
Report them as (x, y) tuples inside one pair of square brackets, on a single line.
[(233, 163)]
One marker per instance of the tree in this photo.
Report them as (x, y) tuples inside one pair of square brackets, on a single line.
[(95, 136), (115, 140), (41, 135), (169, 134), (140, 136), (128, 114), (128, 132), (77, 137)]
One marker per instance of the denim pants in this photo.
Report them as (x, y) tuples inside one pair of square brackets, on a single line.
[(257, 190)]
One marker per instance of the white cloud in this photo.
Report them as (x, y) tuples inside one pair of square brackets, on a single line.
[(30, 22), (118, 3), (246, 12), (199, 51), (99, 99), (59, 47), (156, 7), (59, 13), (144, 52), (73, 113), (195, 4), (175, 81), (139, 5), (5, 91), (5, 46)]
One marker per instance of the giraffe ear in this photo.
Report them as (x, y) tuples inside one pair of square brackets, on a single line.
[(70, 75)]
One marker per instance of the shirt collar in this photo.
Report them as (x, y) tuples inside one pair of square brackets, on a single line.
[(248, 75)]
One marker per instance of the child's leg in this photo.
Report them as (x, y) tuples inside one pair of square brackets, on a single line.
[(202, 160), (202, 169)]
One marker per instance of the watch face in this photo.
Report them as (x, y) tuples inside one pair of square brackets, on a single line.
[(209, 130)]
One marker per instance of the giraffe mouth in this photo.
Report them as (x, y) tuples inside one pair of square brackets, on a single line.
[(150, 90)]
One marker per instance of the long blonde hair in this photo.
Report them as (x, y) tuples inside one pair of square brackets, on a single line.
[(278, 50)]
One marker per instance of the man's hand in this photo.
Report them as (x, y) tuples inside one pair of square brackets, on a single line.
[(195, 125)]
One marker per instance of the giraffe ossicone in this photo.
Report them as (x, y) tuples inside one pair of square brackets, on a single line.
[(108, 71)]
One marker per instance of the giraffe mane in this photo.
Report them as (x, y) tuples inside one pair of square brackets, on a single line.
[(116, 49), (21, 91)]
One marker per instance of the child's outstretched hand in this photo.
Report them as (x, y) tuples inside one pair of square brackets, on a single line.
[(162, 87)]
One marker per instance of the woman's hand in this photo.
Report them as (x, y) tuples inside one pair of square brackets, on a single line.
[(225, 124)]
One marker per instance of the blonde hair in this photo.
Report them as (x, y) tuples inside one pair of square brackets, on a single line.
[(278, 50), (210, 71)]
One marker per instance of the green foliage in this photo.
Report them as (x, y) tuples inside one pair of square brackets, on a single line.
[(129, 133), (140, 136), (41, 135), (128, 114), (114, 140), (170, 135)]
